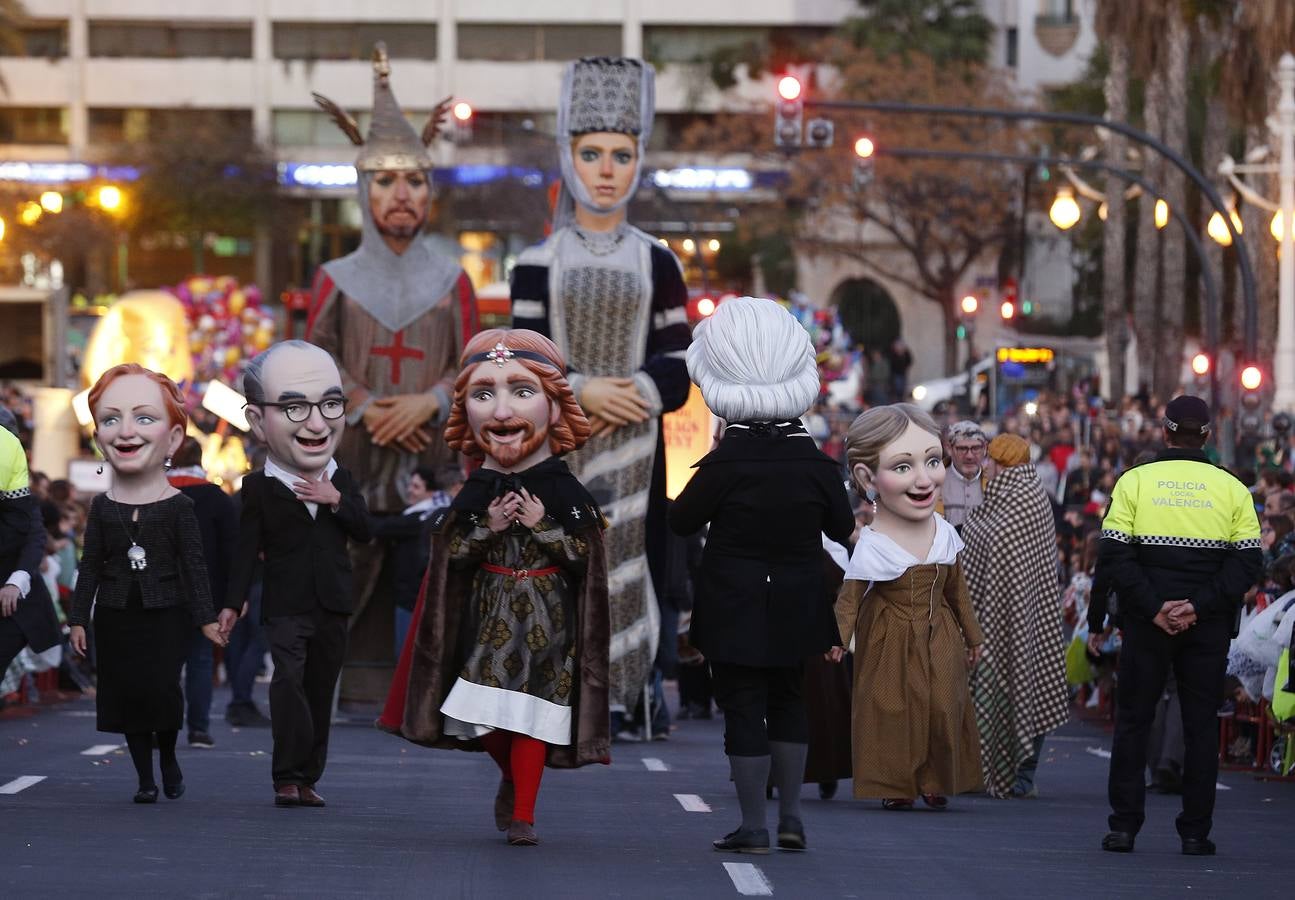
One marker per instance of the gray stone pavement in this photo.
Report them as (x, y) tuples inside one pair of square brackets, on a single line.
[(403, 821)]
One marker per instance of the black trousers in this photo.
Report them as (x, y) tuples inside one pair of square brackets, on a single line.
[(1198, 657), (308, 650), (760, 705), (12, 640)]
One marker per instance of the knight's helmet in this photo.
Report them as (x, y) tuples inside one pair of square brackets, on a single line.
[(600, 93), (392, 144)]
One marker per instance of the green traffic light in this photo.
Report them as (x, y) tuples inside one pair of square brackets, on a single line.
[(961, 332), (1027, 307)]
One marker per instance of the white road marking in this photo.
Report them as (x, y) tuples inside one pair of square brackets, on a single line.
[(1221, 786), (692, 803), (100, 749), (655, 765), (748, 879), (21, 783)]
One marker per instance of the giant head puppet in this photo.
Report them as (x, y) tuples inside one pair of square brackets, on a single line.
[(604, 121), (396, 264), (295, 405), (513, 407)]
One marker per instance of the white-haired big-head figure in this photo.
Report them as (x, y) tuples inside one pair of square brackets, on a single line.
[(753, 362)]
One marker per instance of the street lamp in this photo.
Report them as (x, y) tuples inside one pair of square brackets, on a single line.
[(1065, 209), (1162, 214), (52, 201), (109, 197)]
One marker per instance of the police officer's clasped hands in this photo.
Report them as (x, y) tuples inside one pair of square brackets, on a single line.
[(1176, 616)]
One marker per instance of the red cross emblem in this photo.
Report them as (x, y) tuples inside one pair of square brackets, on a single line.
[(398, 352)]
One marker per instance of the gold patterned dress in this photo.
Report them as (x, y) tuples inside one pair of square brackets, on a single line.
[(518, 630)]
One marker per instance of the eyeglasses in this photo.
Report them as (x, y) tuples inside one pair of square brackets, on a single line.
[(975, 448), (299, 410)]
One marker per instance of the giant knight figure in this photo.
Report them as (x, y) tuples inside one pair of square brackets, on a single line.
[(395, 314)]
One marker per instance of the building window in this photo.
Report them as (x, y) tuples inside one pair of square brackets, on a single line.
[(162, 40), (314, 128), (690, 43), (128, 126), (529, 43), (353, 40), (42, 40), (1056, 12), (33, 125), (1013, 47)]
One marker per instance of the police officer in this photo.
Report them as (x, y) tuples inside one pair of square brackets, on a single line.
[(1180, 545)]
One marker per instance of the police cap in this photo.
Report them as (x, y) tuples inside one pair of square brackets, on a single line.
[(1187, 415)]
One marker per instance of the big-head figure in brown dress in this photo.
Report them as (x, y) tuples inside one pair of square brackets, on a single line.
[(905, 612)]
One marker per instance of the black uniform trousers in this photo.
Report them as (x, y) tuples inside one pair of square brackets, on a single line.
[(1198, 657), (308, 650), (760, 704)]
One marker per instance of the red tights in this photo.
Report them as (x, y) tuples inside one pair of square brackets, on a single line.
[(521, 760)]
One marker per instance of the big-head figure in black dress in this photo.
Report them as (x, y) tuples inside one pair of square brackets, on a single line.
[(299, 513), (141, 566)]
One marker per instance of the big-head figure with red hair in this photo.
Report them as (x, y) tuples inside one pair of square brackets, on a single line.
[(143, 572), (508, 652)]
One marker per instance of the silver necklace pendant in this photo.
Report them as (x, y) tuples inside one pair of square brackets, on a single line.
[(601, 243), (138, 559)]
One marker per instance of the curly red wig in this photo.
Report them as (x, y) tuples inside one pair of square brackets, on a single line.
[(572, 428), (172, 399)]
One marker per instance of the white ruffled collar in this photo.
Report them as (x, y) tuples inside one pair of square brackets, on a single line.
[(878, 558)]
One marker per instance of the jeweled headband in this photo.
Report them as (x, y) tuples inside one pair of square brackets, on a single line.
[(499, 355)]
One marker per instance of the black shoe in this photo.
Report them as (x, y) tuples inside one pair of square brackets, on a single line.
[(827, 789), (173, 791), (245, 715), (744, 840), (1119, 842), (201, 739), (146, 795), (1198, 847), (791, 834)]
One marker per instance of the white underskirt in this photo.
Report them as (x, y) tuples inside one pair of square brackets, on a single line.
[(472, 710)]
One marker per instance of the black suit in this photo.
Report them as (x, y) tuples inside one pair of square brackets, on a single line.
[(307, 597)]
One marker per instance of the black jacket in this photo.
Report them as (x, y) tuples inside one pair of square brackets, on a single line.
[(175, 572), (306, 559), (22, 548), (410, 537), (769, 495), (218, 525)]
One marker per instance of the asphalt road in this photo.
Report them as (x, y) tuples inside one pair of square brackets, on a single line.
[(403, 821)]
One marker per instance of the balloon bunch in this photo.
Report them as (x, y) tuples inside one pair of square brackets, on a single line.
[(227, 325), (831, 344)]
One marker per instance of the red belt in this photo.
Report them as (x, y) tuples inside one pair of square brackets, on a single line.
[(521, 573)]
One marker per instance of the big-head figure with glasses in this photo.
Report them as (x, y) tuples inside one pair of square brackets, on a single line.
[(300, 514)]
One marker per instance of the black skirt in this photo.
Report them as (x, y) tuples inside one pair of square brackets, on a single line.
[(139, 654)]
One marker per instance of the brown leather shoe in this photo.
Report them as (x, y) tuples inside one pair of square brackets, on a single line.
[(310, 798), (288, 795), (504, 804), (521, 834)]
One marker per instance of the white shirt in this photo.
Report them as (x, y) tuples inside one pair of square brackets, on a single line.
[(289, 480)]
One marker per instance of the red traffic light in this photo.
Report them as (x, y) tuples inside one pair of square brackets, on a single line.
[(970, 304), (789, 87), (1252, 378), (462, 111), (1007, 310), (864, 148), (1201, 364)]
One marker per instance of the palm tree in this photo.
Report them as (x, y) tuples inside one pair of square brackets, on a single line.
[(1173, 295), (1114, 295)]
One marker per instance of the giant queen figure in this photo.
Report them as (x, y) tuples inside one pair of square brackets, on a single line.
[(613, 300)]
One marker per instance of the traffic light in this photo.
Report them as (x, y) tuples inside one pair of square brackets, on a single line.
[(1027, 307), (1252, 378), (463, 117), (865, 151), (789, 113), (1007, 309), (1201, 364), (819, 133), (970, 305)]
